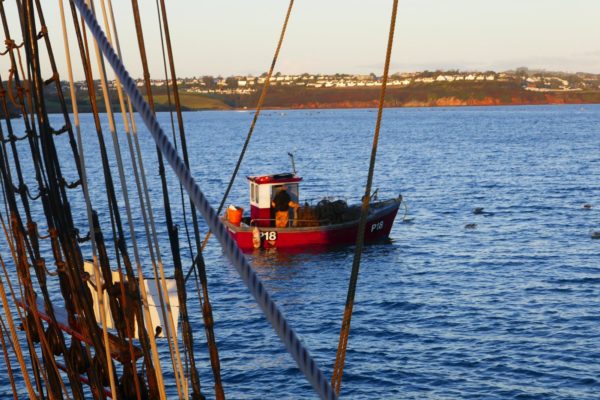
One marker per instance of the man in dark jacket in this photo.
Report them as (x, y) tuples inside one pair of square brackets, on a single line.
[(281, 204)]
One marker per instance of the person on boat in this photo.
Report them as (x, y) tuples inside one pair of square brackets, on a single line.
[(281, 204)]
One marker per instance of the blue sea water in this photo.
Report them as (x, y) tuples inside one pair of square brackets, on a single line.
[(507, 310)]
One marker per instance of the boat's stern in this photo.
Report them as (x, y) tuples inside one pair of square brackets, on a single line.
[(242, 234)]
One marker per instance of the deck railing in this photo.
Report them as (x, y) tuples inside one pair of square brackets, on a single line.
[(291, 223)]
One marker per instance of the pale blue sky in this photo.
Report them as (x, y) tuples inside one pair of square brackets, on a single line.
[(225, 37)]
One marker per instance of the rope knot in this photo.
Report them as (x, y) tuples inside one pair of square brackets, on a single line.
[(53, 233), (61, 266), (82, 239), (43, 32)]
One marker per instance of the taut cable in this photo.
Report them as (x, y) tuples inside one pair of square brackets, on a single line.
[(338, 370)]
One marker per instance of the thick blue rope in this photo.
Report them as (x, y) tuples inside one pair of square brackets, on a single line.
[(305, 362)]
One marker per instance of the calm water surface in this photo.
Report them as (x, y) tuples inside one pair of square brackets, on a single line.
[(508, 310)]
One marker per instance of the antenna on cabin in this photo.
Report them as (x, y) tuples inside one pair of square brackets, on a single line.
[(293, 163)]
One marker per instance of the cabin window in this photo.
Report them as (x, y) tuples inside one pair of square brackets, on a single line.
[(292, 189)]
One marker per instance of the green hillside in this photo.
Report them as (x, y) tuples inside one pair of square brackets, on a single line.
[(191, 101)]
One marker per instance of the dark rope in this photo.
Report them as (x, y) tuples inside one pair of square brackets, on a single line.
[(26, 16), (61, 98), (261, 100), (188, 336), (59, 217), (117, 230), (338, 370), (9, 370), (13, 138), (171, 229)]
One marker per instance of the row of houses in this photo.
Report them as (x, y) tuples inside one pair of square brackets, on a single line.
[(246, 84)]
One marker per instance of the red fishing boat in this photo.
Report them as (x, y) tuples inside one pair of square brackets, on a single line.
[(327, 223)]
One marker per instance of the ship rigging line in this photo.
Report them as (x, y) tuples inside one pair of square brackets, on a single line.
[(34, 359), (89, 213), (200, 271), (336, 379), (142, 188), (9, 370), (14, 339), (305, 362), (171, 229), (154, 373), (133, 157), (166, 313), (54, 201)]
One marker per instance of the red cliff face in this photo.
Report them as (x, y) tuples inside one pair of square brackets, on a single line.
[(441, 102), (550, 99), (453, 101), (515, 98)]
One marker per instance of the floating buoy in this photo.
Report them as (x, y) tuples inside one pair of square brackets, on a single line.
[(256, 238), (470, 226), (478, 210)]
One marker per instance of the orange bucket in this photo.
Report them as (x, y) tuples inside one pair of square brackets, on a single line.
[(234, 215)]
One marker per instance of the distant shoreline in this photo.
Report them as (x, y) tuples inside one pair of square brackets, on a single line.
[(451, 88), (443, 94), (441, 104), (431, 95), (371, 107)]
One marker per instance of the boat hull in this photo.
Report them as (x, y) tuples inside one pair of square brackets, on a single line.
[(378, 227)]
